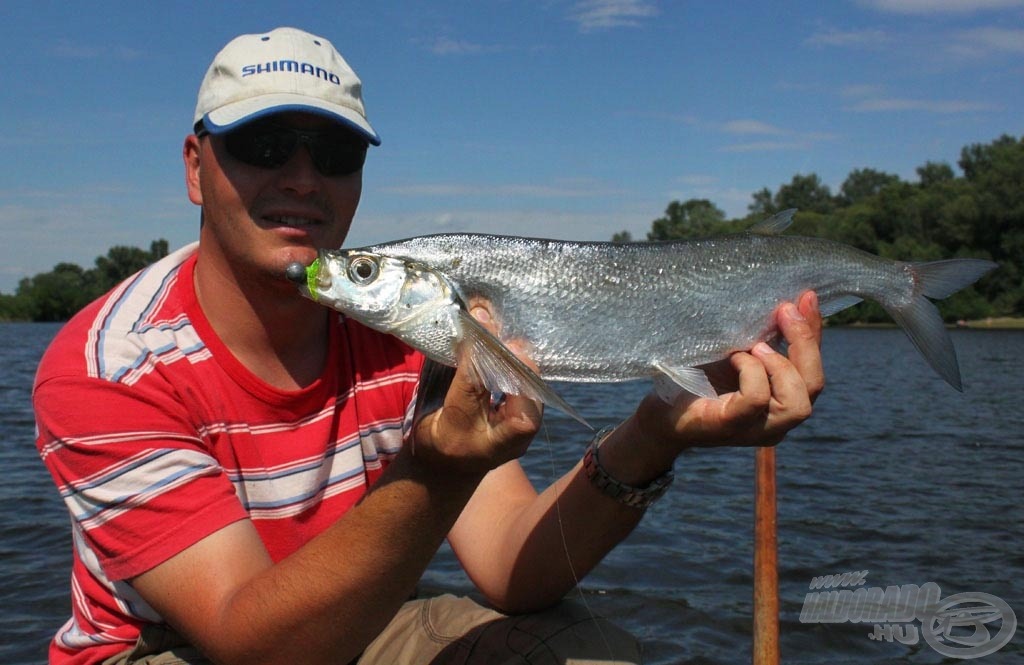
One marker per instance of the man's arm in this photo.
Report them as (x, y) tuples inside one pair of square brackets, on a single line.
[(526, 551), (336, 593)]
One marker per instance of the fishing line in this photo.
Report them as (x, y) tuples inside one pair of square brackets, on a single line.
[(555, 483)]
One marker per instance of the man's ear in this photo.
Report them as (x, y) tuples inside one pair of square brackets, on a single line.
[(190, 154)]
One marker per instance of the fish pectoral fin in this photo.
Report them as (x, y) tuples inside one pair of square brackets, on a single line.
[(499, 370), (673, 379), (839, 303)]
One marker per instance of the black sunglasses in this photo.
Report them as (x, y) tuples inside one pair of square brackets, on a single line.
[(268, 145)]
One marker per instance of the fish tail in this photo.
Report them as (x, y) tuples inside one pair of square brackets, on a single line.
[(941, 279), (920, 319)]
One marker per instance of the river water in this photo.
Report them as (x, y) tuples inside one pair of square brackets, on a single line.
[(896, 474)]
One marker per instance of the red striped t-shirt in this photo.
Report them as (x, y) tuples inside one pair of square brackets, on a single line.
[(157, 436)]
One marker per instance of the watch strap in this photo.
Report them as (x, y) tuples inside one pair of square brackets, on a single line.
[(635, 497)]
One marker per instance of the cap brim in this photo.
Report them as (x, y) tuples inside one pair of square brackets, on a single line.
[(229, 116)]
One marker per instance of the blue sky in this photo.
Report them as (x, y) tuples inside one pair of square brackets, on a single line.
[(558, 118)]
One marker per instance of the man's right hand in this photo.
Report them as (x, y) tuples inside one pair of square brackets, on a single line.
[(470, 435)]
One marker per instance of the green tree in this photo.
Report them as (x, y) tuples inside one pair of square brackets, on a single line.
[(122, 262), (862, 184), (934, 173), (762, 205), (853, 226), (806, 193), (60, 293), (693, 219), (942, 215), (993, 174), (15, 308)]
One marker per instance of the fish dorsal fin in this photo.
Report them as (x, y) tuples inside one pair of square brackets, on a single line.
[(775, 224), (499, 370)]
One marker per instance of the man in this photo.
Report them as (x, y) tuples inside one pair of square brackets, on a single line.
[(232, 454)]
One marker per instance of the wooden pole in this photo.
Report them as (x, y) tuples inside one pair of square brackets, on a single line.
[(766, 572)]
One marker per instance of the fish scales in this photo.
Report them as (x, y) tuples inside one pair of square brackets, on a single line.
[(600, 312), (603, 312)]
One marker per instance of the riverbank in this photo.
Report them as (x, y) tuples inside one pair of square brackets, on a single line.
[(992, 323)]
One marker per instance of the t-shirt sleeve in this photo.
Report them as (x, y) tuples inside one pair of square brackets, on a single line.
[(132, 470)]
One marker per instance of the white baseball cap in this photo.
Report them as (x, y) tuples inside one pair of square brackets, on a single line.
[(282, 70)]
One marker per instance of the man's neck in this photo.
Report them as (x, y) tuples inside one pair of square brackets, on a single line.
[(278, 335)]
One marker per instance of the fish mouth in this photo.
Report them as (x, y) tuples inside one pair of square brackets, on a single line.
[(313, 279), (318, 275)]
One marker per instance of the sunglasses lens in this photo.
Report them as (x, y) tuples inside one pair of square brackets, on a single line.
[(338, 153), (268, 146), (260, 145)]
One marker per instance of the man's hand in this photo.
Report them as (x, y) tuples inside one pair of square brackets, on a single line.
[(468, 433), (766, 394), (770, 392)]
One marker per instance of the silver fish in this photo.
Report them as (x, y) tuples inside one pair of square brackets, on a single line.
[(603, 312)]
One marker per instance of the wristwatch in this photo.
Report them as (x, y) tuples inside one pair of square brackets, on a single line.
[(635, 497)]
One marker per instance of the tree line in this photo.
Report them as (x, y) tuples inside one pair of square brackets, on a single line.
[(979, 213), (56, 295)]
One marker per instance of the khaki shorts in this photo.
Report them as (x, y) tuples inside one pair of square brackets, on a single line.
[(449, 630)]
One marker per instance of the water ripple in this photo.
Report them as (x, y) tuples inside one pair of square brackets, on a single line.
[(896, 474)]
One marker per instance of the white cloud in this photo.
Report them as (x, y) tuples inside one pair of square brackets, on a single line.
[(65, 48), (942, 106), (860, 90), (697, 180), (591, 15), (564, 190), (847, 38), (751, 127), (660, 116), (983, 42), (448, 46), (780, 138), (777, 138), (939, 6), (766, 146), (865, 98)]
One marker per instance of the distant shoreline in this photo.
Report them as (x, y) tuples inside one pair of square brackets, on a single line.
[(994, 322), (990, 323)]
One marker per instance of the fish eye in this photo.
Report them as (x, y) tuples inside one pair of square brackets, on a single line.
[(363, 270)]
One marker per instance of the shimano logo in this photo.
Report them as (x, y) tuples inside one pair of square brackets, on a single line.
[(290, 66)]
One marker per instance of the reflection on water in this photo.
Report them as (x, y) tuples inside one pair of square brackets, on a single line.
[(896, 473)]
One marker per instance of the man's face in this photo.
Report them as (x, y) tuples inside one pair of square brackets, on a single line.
[(265, 218)]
